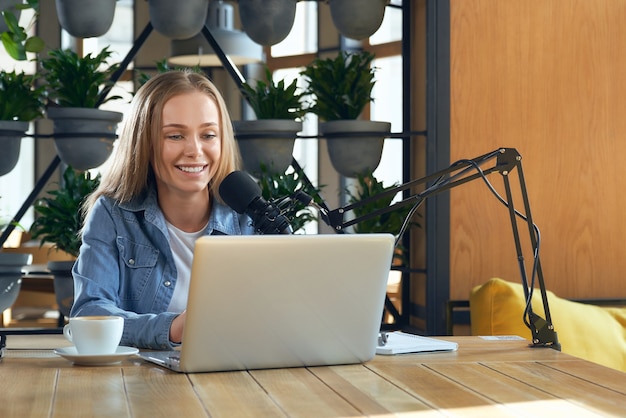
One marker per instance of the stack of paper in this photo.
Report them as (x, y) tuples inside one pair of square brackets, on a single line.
[(399, 343)]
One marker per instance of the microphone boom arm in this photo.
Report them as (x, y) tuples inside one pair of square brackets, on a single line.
[(506, 160)]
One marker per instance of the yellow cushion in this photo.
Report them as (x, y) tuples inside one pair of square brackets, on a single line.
[(591, 332)]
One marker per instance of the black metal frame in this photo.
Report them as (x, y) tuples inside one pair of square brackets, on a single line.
[(437, 151), (507, 161)]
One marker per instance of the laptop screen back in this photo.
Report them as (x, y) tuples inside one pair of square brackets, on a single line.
[(272, 301)]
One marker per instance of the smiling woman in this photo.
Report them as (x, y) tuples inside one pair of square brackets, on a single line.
[(157, 197), (187, 159)]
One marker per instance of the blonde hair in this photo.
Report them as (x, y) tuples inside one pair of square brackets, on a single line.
[(131, 171)]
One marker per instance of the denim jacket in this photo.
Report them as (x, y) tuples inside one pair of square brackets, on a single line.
[(126, 266)]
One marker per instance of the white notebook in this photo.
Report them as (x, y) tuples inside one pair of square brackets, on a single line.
[(401, 343)]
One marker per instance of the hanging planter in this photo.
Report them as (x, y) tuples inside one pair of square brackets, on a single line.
[(180, 19), (86, 18), (11, 277), (267, 142), (21, 101), (355, 146), (267, 22), (84, 137), (357, 19), (11, 134), (83, 134), (342, 88)]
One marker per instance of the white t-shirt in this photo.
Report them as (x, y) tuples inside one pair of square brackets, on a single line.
[(182, 244)]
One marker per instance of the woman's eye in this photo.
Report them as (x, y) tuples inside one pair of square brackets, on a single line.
[(209, 136), (174, 136)]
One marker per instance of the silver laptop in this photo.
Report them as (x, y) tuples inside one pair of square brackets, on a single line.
[(272, 301)]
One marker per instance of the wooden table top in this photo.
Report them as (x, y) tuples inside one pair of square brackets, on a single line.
[(484, 378)]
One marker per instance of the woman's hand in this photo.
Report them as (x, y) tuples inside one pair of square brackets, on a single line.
[(176, 329)]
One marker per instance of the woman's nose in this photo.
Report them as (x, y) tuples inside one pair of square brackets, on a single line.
[(193, 145)]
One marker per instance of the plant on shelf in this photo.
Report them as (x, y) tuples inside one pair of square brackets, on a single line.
[(21, 101), (274, 100), (76, 86), (390, 222), (368, 186), (340, 88), (59, 216), (15, 38), (20, 97), (58, 222), (270, 139), (275, 186), (78, 81)]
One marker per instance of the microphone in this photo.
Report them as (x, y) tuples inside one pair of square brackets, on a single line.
[(243, 195)]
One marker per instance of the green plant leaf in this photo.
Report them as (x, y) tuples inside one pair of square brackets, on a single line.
[(275, 186), (59, 217), (75, 81), (271, 100), (340, 87), (14, 49), (34, 44)]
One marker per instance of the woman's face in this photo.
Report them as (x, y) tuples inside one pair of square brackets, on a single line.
[(190, 145)]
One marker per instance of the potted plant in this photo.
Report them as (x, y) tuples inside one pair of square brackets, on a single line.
[(21, 101), (269, 140), (58, 222), (10, 277), (391, 222), (276, 186), (11, 264), (341, 88), (83, 134)]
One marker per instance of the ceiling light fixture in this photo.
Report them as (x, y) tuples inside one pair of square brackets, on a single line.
[(235, 44)]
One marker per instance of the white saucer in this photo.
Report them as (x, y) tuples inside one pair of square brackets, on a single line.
[(72, 355)]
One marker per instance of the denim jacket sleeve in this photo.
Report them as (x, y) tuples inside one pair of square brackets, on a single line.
[(121, 271)]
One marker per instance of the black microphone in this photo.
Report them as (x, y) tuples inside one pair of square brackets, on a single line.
[(241, 193)]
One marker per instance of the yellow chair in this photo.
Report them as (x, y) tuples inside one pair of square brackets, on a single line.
[(590, 332)]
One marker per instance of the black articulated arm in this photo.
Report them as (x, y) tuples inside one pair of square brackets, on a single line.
[(503, 161)]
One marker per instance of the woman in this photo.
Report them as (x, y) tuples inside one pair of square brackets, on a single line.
[(159, 195)]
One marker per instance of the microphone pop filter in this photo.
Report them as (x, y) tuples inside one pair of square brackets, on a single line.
[(239, 190)]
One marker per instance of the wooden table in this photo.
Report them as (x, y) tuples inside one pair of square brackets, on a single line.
[(485, 378)]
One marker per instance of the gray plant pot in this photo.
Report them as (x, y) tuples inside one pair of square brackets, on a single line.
[(63, 284), (86, 18), (267, 141), (11, 134), (11, 277), (267, 22), (357, 19), (355, 146), (179, 19), (84, 137)]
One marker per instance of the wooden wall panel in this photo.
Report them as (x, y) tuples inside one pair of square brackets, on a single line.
[(547, 77)]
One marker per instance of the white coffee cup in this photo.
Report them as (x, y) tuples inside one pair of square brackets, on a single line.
[(95, 335)]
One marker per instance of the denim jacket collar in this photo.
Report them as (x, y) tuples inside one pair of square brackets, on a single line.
[(223, 219)]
